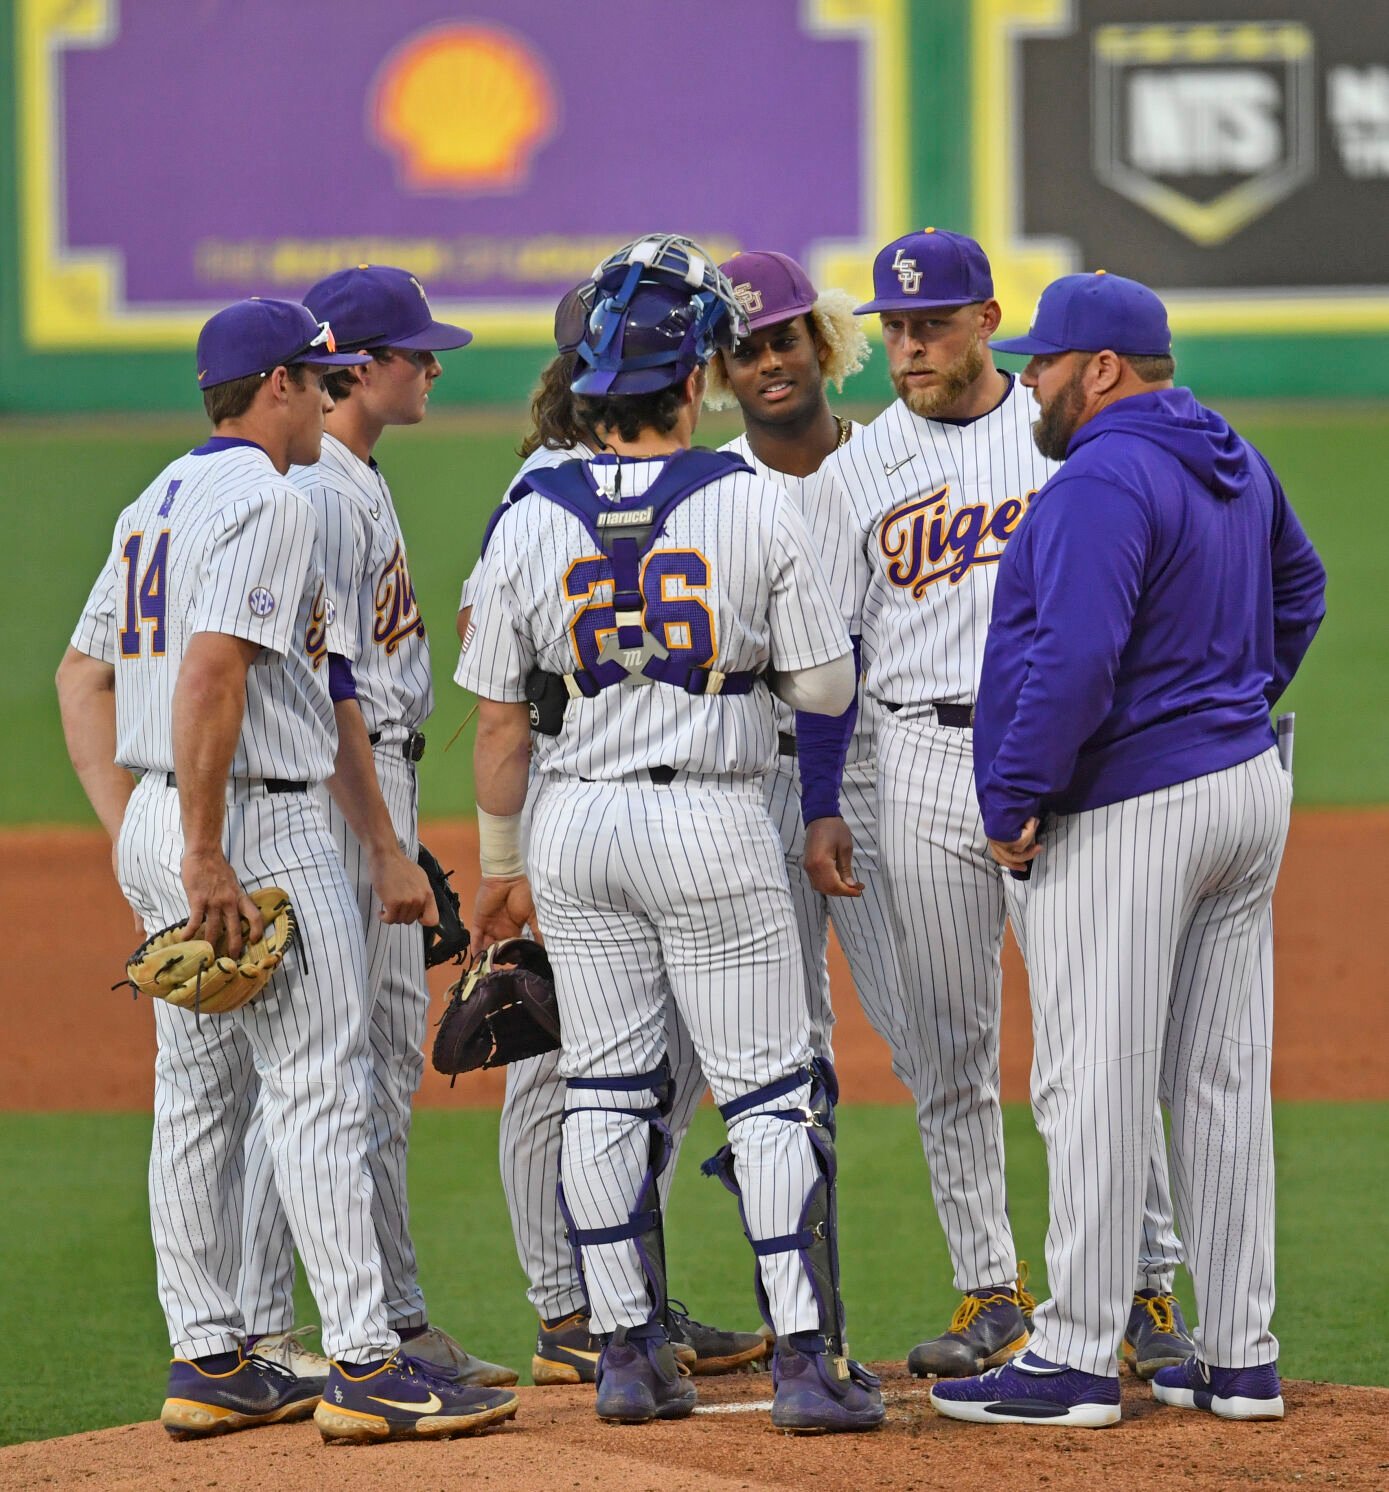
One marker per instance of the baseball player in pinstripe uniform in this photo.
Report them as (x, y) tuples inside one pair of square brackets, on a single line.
[(930, 493), (1154, 604), (800, 340), (533, 1108), (379, 679), (636, 600), (204, 631)]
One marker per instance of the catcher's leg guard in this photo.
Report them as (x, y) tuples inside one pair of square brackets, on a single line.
[(816, 1239), (644, 1225)]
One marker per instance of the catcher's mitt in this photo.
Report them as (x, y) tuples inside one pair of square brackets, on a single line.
[(503, 1009), (199, 976), (449, 940)]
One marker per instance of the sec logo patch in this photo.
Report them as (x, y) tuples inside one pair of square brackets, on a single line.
[(260, 601)]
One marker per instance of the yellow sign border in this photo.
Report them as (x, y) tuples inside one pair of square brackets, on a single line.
[(74, 300), (1023, 265)]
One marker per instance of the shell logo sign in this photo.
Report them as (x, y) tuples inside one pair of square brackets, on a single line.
[(463, 108)]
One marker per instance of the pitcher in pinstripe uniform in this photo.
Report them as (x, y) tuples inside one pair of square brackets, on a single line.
[(801, 341), (929, 495), (635, 601), (197, 665), (1155, 603), (379, 678)]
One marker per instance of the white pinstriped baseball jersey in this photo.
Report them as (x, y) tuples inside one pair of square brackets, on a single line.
[(861, 742), (375, 620), (931, 505), (218, 542), (735, 578), (542, 456)]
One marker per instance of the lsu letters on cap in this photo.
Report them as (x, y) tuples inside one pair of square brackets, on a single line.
[(1089, 313), (771, 287), (931, 268), (377, 305), (257, 336)]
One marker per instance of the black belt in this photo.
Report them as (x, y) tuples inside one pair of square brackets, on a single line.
[(661, 776), (411, 748), (955, 717), (785, 743), (270, 784)]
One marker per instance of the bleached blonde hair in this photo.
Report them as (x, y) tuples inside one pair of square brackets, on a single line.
[(843, 348)]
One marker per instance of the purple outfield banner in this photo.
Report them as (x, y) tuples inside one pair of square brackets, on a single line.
[(200, 152)]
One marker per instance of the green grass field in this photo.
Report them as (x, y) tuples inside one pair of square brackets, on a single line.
[(67, 481), (82, 1342)]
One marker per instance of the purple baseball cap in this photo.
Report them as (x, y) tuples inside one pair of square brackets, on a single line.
[(1089, 313), (257, 336), (376, 305), (770, 287), (931, 268)]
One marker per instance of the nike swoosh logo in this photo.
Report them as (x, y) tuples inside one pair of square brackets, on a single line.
[(432, 1405), (888, 470)]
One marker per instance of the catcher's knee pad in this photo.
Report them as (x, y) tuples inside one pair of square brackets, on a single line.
[(645, 1097), (816, 1239)]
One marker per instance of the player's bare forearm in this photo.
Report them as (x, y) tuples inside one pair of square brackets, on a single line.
[(501, 770), (501, 756), (87, 701), (208, 706), (400, 885)]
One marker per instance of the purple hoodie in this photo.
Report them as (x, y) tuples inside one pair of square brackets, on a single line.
[(1151, 608)]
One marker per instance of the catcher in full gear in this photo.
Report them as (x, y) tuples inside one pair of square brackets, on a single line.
[(631, 608)]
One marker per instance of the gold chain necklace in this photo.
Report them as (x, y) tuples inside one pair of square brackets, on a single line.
[(846, 429)]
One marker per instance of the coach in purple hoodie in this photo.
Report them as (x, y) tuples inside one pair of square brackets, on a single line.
[(1151, 608)]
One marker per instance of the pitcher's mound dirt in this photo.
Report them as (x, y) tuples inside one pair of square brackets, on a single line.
[(1332, 1437)]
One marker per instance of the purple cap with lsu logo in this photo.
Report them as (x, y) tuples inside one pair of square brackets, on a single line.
[(1092, 313), (377, 305), (931, 268), (770, 287), (258, 336)]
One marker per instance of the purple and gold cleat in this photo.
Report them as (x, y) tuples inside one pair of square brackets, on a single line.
[(202, 1400)]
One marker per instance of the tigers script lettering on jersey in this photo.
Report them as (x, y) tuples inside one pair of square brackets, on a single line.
[(929, 506), (370, 600)]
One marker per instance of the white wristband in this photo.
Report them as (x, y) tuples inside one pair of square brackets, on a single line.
[(499, 844)]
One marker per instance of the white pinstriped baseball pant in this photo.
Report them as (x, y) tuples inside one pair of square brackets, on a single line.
[(304, 1040), (947, 900), (1149, 936)]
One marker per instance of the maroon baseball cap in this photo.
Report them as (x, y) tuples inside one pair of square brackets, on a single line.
[(931, 268), (770, 287)]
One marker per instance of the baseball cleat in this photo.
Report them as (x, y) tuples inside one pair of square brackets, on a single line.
[(446, 1358), (400, 1400), (1031, 1391), (286, 1349), (1232, 1393), (707, 1351), (818, 1392), (640, 1379), (989, 1327), (251, 1392), (566, 1352), (1156, 1335)]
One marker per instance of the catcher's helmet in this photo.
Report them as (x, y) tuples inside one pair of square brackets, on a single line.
[(661, 306)]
